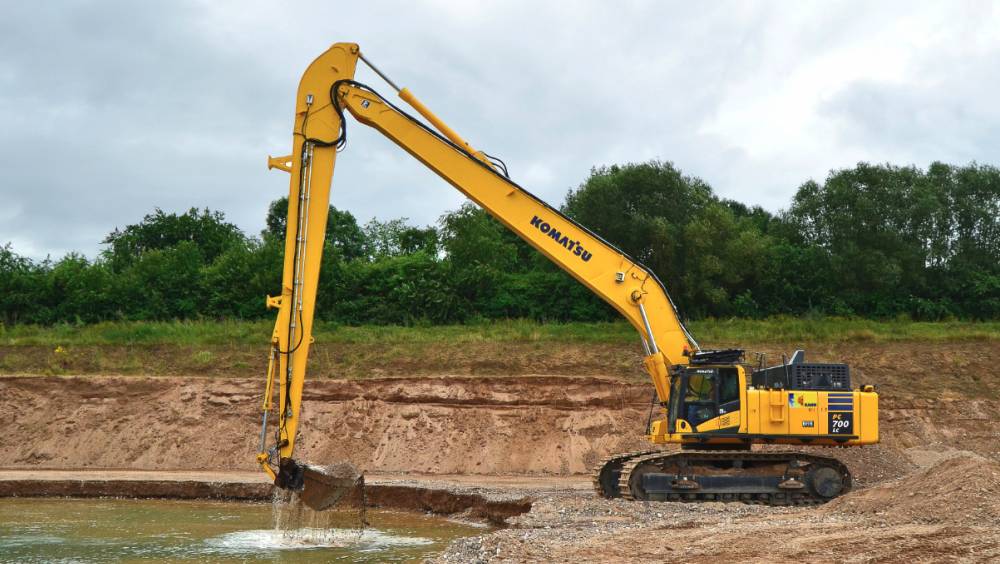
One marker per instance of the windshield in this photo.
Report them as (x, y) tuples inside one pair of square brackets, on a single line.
[(701, 386), (675, 402), (700, 395)]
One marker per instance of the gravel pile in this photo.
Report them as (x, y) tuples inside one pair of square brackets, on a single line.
[(960, 489)]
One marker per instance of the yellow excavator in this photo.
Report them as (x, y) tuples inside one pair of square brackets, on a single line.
[(712, 403)]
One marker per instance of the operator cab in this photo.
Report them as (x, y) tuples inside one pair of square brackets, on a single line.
[(702, 394), (706, 390)]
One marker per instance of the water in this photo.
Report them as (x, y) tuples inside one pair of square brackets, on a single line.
[(123, 530)]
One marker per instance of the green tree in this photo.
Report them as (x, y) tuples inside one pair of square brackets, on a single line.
[(674, 225), (342, 229), (966, 245), (18, 285), (235, 284), (471, 237), (163, 284), (402, 289), (79, 291), (889, 232), (395, 238), (206, 230)]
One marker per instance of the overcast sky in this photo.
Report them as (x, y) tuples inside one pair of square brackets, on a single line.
[(111, 109)]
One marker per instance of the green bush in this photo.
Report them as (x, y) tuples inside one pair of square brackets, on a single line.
[(873, 241)]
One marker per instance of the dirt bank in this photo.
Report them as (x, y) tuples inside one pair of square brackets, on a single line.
[(429, 425), (436, 425), (481, 502), (960, 489)]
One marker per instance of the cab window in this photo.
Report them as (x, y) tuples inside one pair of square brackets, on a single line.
[(729, 385), (699, 396), (701, 387)]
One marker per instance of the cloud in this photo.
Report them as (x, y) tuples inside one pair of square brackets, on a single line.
[(110, 109)]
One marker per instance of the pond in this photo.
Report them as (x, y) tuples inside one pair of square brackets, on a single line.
[(129, 530)]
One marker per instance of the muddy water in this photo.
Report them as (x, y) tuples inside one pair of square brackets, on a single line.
[(86, 530)]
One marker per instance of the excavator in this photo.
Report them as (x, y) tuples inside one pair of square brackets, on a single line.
[(731, 426)]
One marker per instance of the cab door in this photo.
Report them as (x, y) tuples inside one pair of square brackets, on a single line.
[(729, 398)]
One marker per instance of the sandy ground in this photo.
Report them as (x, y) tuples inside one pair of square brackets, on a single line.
[(929, 492), (946, 512)]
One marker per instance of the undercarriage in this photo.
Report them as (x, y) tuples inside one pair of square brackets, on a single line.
[(772, 478)]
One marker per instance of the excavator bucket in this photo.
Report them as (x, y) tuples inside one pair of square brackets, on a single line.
[(319, 487)]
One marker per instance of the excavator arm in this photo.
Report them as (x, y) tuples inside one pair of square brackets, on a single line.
[(326, 91), (628, 286)]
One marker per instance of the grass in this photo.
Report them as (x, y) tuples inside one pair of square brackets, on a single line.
[(839, 330), (890, 353), (709, 332)]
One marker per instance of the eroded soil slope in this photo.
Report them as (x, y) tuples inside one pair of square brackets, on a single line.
[(425, 425), (436, 425)]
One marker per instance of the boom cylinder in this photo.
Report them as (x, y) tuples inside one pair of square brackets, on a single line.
[(441, 126)]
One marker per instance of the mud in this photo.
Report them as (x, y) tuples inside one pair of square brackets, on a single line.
[(155, 486), (325, 485), (475, 503)]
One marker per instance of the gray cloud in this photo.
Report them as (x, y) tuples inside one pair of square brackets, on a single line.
[(109, 109)]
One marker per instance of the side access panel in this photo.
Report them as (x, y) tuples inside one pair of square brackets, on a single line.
[(768, 412), (803, 412)]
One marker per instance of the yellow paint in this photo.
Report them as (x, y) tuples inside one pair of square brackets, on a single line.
[(775, 419), (731, 419), (802, 419), (297, 303)]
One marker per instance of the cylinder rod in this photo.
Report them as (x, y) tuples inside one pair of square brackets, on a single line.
[(423, 110), (378, 72), (263, 432), (649, 330)]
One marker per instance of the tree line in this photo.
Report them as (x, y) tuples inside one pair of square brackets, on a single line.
[(872, 241)]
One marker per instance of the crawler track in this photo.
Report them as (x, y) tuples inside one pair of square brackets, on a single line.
[(770, 478), (606, 473)]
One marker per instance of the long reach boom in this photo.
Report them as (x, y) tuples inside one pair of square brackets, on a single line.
[(326, 90)]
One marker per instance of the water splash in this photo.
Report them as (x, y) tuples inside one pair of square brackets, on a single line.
[(309, 538), (297, 527), (289, 513)]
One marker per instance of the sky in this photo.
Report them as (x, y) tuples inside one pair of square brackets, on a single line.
[(109, 110)]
